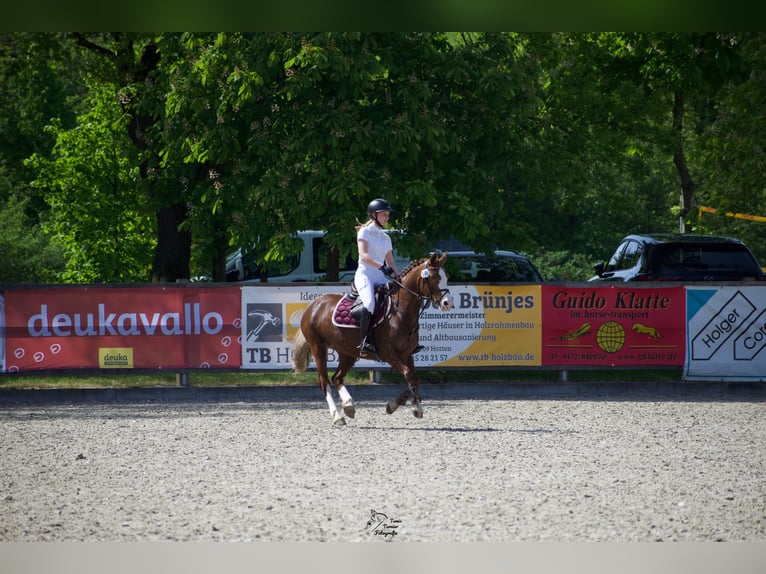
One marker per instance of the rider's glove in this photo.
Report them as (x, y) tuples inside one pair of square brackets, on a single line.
[(387, 270)]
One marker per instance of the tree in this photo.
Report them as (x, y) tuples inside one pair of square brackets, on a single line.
[(556, 143), (272, 133), (133, 61), (37, 82), (620, 130), (96, 213), (27, 254), (732, 150), (414, 118), (596, 169)]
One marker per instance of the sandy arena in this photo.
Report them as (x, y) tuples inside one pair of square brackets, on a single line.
[(493, 468)]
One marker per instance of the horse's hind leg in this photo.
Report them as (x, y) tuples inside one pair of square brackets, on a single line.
[(344, 366), (413, 385), (320, 358), (391, 406)]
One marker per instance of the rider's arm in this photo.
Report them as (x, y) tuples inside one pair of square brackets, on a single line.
[(391, 262)]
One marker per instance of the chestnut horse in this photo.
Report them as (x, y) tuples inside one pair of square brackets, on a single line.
[(422, 283)]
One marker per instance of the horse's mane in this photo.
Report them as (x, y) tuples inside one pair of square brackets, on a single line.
[(411, 266)]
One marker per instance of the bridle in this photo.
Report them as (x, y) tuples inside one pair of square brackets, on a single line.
[(425, 300)]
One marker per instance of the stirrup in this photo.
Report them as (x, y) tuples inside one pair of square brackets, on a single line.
[(367, 347)]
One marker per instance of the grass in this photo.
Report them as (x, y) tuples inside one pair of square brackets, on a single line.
[(71, 380)]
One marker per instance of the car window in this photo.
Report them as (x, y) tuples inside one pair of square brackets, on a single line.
[(680, 259), (626, 256), (252, 268), (631, 255), (614, 260), (466, 268)]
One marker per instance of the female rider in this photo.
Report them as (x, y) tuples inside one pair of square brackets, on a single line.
[(376, 266)]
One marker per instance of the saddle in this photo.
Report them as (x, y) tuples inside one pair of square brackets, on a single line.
[(349, 308)]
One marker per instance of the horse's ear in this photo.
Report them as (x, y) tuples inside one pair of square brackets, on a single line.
[(442, 259)]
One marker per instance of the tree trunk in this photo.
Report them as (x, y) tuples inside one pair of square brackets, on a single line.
[(333, 264), (679, 158), (220, 248), (173, 252)]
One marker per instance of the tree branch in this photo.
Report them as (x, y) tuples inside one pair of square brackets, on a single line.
[(81, 40)]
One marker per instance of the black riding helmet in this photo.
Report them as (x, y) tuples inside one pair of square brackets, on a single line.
[(377, 205)]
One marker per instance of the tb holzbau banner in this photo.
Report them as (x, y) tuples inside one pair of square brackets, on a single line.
[(613, 326), (726, 333), (489, 326), (122, 328)]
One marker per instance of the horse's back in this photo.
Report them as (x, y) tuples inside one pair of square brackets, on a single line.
[(318, 327), (319, 312)]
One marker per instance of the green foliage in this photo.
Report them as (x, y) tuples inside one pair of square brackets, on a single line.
[(556, 144), (96, 213), (26, 253), (732, 148), (564, 266)]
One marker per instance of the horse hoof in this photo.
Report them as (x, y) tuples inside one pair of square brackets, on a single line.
[(418, 413), (391, 407), (349, 409), (339, 422)]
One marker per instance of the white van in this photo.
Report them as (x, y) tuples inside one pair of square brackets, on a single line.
[(309, 265)]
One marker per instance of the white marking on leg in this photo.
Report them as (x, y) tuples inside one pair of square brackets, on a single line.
[(331, 403), (349, 409)]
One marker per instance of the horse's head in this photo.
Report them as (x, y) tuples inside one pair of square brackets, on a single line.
[(432, 281)]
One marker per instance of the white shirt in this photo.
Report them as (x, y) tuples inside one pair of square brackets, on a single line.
[(378, 242), (368, 277)]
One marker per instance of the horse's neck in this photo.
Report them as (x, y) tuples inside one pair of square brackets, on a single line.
[(408, 296)]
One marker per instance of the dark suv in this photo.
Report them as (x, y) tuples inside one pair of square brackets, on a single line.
[(680, 257)]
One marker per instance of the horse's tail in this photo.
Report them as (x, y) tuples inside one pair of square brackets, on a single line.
[(301, 353)]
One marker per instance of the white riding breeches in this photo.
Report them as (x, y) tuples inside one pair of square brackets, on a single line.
[(366, 280)]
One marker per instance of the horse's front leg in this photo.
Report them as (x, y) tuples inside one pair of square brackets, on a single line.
[(413, 382), (413, 388)]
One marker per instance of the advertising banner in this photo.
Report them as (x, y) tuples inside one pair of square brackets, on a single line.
[(613, 326), (489, 326), (2, 332), (122, 328), (726, 333)]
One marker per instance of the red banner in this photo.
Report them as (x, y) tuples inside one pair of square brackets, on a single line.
[(135, 327), (613, 326)]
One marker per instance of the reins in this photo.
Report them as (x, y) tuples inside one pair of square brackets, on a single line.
[(425, 300)]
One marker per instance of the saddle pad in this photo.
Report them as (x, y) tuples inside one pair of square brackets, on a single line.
[(341, 315)]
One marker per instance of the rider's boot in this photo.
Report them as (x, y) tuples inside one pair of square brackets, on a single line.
[(365, 329)]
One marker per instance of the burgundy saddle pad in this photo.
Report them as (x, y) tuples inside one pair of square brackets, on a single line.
[(341, 315)]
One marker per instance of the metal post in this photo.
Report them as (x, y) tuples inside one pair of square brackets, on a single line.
[(182, 379)]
